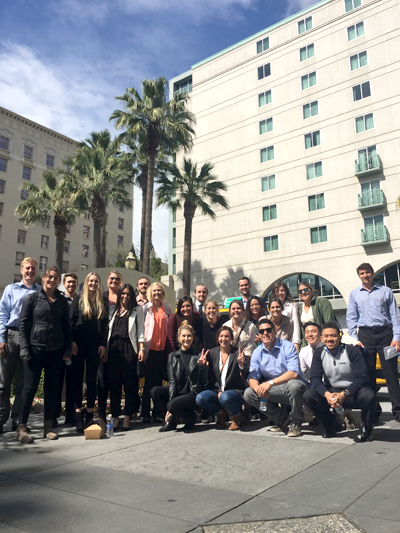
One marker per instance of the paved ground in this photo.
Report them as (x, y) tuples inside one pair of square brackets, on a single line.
[(207, 481)]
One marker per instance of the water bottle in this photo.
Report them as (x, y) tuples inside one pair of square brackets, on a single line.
[(68, 362), (263, 405), (339, 411), (110, 427)]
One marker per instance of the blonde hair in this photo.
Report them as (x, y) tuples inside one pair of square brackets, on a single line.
[(208, 302), (149, 292), (30, 261), (121, 279), (84, 301), (185, 326)]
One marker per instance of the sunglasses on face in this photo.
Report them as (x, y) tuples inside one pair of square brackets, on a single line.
[(266, 331), (114, 279), (305, 291)]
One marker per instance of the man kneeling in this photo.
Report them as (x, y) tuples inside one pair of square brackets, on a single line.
[(275, 375), (339, 378)]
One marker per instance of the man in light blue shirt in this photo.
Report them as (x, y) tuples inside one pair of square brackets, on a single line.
[(372, 309), (276, 376), (10, 310)]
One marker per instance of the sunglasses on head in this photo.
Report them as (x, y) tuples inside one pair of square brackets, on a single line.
[(114, 279), (265, 331), (305, 291)]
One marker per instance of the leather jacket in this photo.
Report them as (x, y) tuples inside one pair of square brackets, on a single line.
[(177, 373)]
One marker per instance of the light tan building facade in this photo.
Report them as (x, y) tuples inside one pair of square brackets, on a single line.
[(301, 123), (26, 150)]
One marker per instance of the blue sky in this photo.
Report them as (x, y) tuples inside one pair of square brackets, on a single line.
[(62, 62)]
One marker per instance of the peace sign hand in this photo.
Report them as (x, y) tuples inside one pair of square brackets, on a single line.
[(241, 358), (203, 358)]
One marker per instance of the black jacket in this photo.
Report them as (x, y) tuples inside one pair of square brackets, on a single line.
[(43, 324), (235, 377), (88, 330), (178, 376)]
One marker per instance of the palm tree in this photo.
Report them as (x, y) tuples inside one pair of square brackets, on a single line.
[(190, 190), (164, 124), (52, 197), (101, 173)]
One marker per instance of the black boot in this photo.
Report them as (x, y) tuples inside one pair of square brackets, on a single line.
[(79, 423), (190, 421), (170, 425), (88, 418)]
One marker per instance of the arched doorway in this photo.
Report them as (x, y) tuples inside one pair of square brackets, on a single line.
[(390, 277)]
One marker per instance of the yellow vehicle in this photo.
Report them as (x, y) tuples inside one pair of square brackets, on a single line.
[(380, 379)]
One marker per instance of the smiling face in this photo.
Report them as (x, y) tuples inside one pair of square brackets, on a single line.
[(201, 293), (125, 298), (305, 294), (275, 310), (236, 311), (70, 285), (156, 293), (142, 286), (51, 281), (366, 277), (185, 339), (225, 339), (28, 271), (255, 308), (268, 335), (114, 281), (331, 338), (312, 336), (211, 311), (93, 283), (244, 287), (186, 309), (281, 294)]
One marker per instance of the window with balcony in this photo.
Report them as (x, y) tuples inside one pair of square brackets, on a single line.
[(4, 142), (374, 230), (120, 223), (367, 161), (49, 160), (28, 152), (316, 201), (349, 5), (271, 243), (312, 139), (371, 195), (358, 60), (304, 25), (360, 91), (268, 183), (355, 31), (66, 246), (21, 236), (265, 98), (3, 164), (19, 257), (262, 45), (85, 251), (310, 110), (307, 51), (318, 234), (264, 71), (267, 154), (44, 242), (308, 80), (2, 186), (86, 231), (364, 123), (26, 173), (266, 125), (269, 212)]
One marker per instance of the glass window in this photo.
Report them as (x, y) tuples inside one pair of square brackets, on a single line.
[(26, 173), (349, 5), (306, 52), (120, 241), (28, 152), (358, 60), (66, 246), (121, 208), (264, 98), (4, 142), (84, 267), (49, 160), (85, 251), (174, 215), (266, 125), (262, 45), (46, 223), (316, 201), (1, 208), (271, 243), (173, 237), (318, 234), (269, 213), (268, 183), (86, 231), (304, 25), (312, 139), (356, 30), (120, 223), (21, 237), (19, 256), (364, 123), (24, 194), (264, 71), (174, 264), (374, 228), (2, 186), (310, 110), (363, 90), (65, 266), (3, 164), (266, 154), (86, 215), (309, 80), (44, 242), (314, 170)]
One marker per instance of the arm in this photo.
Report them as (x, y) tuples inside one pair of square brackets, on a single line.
[(302, 359), (326, 311), (395, 320), (5, 310), (317, 373), (140, 332), (296, 325), (172, 330), (66, 326), (359, 369), (25, 321), (352, 316), (172, 379), (251, 343)]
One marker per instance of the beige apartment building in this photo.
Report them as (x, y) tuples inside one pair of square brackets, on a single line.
[(26, 150), (301, 122)]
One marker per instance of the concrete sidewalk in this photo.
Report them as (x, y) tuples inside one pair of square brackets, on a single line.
[(208, 480)]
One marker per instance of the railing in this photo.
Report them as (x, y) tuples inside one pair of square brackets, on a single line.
[(374, 235), (371, 198), (368, 164), (184, 90)]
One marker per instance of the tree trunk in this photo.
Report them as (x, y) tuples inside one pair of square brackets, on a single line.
[(103, 241), (143, 224), (60, 253), (60, 231), (148, 215), (96, 243), (188, 213), (98, 215)]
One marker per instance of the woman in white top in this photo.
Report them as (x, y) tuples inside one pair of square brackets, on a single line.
[(244, 332), (281, 290)]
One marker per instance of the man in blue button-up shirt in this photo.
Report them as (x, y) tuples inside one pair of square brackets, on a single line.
[(372, 309), (10, 309), (275, 375)]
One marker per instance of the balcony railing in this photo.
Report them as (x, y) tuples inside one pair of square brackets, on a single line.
[(371, 199), (365, 166), (184, 90), (374, 235)]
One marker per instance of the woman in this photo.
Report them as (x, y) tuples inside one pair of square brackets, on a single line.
[(187, 376), (89, 320), (313, 309), (45, 342), (125, 345), (283, 325), (211, 324), (154, 370), (255, 309), (244, 332), (184, 312), (114, 282), (281, 290), (227, 373)]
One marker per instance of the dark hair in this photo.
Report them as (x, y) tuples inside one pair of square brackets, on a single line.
[(143, 277), (331, 325), (311, 323), (275, 300), (244, 279), (275, 287), (181, 301), (262, 306), (266, 321), (70, 275), (52, 269), (221, 329), (132, 301), (238, 301), (365, 266)]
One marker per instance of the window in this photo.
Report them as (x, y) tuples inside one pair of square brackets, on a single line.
[(65, 266), (271, 243), (312, 139), (120, 241), (266, 154), (46, 223), (318, 234), (174, 215), (66, 247), (2, 186), (86, 231), (21, 237), (84, 267), (309, 80), (316, 201), (44, 242), (120, 223), (19, 256), (370, 191), (264, 98), (86, 215), (356, 30), (1, 208), (174, 264), (269, 213), (24, 194), (374, 227), (49, 160), (85, 251), (121, 208), (310, 110), (3, 164), (364, 123), (358, 60), (262, 45), (4, 142), (26, 173), (264, 71), (314, 170), (28, 152), (363, 90), (366, 157), (306, 52), (268, 183), (173, 237), (1, 229), (349, 5), (266, 125), (304, 25)]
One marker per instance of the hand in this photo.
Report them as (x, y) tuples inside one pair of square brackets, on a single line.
[(103, 353), (263, 390), (335, 399), (394, 344), (360, 344), (297, 346), (66, 358), (203, 358), (241, 358), (141, 355), (219, 393), (258, 339), (74, 348), (167, 416), (3, 348)]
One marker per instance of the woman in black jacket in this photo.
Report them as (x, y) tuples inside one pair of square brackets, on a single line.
[(227, 372), (89, 321), (187, 376), (212, 321), (45, 342)]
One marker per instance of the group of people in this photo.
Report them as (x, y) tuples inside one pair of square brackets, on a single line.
[(274, 359)]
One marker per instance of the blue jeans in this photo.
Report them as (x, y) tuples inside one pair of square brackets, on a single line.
[(230, 400)]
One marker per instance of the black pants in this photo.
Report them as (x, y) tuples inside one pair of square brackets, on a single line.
[(365, 399), (154, 372), (182, 406), (90, 353), (10, 363), (375, 342), (103, 388), (122, 372), (52, 362), (66, 372)]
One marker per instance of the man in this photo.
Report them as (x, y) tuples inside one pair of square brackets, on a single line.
[(70, 283), (373, 310), (312, 334), (200, 293), (244, 287), (10, 310), (275, 374), (142, 285), (339, 379)]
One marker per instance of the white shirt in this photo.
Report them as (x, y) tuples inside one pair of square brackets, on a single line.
[(307, 317), (223, 371), (306, 356), (290, 309)]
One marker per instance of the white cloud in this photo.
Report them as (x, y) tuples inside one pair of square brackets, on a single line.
[(294, 6)]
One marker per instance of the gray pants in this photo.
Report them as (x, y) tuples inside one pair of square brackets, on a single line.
[(290, 393), (9, 362)]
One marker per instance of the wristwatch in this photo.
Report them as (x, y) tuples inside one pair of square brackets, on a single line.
[(346, 393), (271, 382)]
